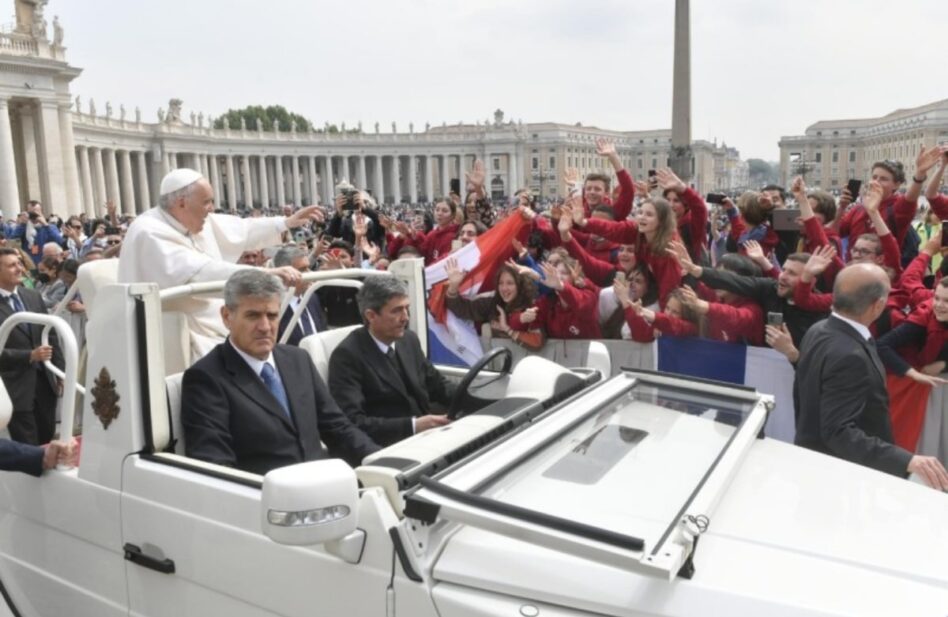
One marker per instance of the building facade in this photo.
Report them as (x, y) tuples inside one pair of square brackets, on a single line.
[(834, 151), (75, 157)]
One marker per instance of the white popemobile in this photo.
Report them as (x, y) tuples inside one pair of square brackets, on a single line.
[(559, 493)]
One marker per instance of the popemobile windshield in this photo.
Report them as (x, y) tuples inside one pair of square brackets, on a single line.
[(556, 491)]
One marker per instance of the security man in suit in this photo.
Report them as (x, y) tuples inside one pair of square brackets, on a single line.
[(311, 319), (839, 392), (255, 405), (32, 388), (379, 374)]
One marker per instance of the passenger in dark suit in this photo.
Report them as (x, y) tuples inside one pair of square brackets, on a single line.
[(379, 374), (312, 319), (255, 405), (31, 387), (840, 396)]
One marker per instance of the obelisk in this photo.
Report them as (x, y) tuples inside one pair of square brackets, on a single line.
[(681, 159)]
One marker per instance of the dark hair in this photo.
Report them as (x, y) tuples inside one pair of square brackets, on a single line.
[(776, 187), (479, 227), (596, 177), (449, 202), (893, 167), (651, 287), (4, 251), (739, 264), (526, 290), (376, 291), (342, 244), (800, 258), (52, 263), (71, 266), (825, 204), (872, 238), (605, 210)]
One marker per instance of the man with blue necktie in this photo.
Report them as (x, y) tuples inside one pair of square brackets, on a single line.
[(32, 388), (255, 405)]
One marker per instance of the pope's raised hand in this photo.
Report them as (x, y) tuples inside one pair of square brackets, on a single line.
[(305, 215)]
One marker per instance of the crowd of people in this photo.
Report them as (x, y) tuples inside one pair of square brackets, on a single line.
[(646, 258)]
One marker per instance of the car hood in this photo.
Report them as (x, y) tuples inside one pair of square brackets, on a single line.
[(796, 533)]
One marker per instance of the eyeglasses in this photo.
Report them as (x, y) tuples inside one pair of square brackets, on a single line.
[(861, 251), (76, 226), (113, 242)]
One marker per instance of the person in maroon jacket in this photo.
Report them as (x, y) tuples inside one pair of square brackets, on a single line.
[(817, 214), (651, 233), (690, 211), (596, 186), (937, 201), (600, 271), (571, 311), (436, 244)]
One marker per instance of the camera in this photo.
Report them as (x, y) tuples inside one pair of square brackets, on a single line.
[(716, 198), (349, 192)]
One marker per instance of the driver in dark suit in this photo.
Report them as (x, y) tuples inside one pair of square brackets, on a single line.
[(379, 374), (255, 405)]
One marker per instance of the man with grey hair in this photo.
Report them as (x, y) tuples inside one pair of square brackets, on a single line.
[(840, 396), (255, 405), (311, 318), (181, 241), (379, 374)]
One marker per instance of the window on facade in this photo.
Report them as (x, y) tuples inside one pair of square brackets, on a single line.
[(534, 163), (496, 164), (834, 182), (639, 164), (654, 163), (852, 156), (552, 162), (835, 156)]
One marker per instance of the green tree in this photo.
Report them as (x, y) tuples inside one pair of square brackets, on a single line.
[(761, 172), (255, 114)]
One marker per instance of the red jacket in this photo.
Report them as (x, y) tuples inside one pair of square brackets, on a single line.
[(623, 205), (741, 322), (935, 338), (665, 268), (436, 244), (693, 224), (808, 300), (897, 212), (598, 271), (816, 235), (939, 205), (577, 320), (642, 331)]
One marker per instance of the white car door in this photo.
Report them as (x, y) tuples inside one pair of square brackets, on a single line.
[(194, 546)]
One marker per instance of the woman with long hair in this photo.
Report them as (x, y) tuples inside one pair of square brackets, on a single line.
[(514, 293)]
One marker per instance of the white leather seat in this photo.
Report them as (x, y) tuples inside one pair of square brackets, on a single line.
[(173, 388), (175, 341), (93, 276), (320, 346)]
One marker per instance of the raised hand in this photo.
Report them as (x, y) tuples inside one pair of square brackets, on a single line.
[(360, 225), (305, 215), (565, 224), (679, 251), (518, 248), (500, 323), (370, 250), (754, 250), (621, 287), (642, 187), (932, 246), (927, 157), (476, 176), (798, 187), (403, 228), (529, 315), (454, 272), (873, 197), (669, 181), (527, 213), (779, 338), (551, 276), (572, 176), (605, 147), (691, 299), (386, 223), (819, 260)]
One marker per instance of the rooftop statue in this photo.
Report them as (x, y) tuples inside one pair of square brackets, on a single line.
[(57, 32), (174, 111)]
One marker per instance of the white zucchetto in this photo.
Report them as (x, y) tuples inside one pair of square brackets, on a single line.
[(178, 179)]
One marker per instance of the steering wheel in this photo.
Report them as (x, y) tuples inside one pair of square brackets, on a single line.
[(461, 394)]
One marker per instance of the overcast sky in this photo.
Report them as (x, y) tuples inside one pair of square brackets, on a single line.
[(760, 69)]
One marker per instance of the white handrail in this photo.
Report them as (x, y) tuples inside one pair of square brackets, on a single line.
[(70, 352), (304, 301), (52, 368)]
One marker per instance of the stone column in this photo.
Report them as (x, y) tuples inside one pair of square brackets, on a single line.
[(328, 190), (445, 176), (297, 187), (681, 156), (513, 178), (112, 179), (68, 148), (215, 179), (461, 169), (144, 198), (128, 185), (231, 184), (361, 179), (281, 184), (311, 167), (88, 201), (248, 181), (264, 185), (100, 193), (413, 178), (379, 184), (52, 166), (429, 179), (396, 180), (344, 169), (9, 187)]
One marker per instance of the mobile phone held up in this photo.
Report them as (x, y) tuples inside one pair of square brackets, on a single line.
[(774, 319), (716, 198), (652, 178), (853, 187)]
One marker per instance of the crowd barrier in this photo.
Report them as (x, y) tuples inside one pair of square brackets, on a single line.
[(759, 367)]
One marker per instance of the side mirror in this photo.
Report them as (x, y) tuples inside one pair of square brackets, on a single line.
[(310, 503)]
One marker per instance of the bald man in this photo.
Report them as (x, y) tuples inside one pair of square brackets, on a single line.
[(840, 396), (180, 242)]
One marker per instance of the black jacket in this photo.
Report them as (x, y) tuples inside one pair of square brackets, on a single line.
[(372, 391), (230, 418), (841, 401), (20, 376)]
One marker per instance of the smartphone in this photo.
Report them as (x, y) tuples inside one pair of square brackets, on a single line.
[(620, 276), (853, 187), (716, 198), (944, 234), (774, 319), (785, 219), (112, 231)]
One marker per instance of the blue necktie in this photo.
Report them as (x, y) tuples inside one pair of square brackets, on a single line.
[(19, 308), (275, 386), (307, 322)]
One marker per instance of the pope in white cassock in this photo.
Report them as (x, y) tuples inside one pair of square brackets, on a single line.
[(181, 242)]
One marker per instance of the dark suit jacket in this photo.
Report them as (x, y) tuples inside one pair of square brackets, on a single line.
[(841, 401), (315, 310), (21, 457), (18, 373), (230, 418), (372, 391)]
